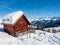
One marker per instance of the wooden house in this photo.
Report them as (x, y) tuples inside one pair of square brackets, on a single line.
[(15, 23)]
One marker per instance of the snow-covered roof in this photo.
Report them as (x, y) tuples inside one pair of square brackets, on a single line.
[(12, 17)]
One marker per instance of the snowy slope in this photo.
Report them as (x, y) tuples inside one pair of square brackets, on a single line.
[(46, 18), (37, 38), (32, 19), (6, 39), (32, 41), (51, 29), (54, 39)]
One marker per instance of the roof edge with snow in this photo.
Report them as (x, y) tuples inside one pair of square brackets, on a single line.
[(12, 17)]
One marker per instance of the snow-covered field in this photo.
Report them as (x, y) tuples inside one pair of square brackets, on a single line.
[(51, 29), (54, 39), (6, 39), (38, 38)]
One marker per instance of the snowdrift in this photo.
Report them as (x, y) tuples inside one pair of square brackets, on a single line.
[(6, 39), (37, 38), (54, 39)]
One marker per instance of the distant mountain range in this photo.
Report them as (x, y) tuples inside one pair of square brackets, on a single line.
[(46, 22)]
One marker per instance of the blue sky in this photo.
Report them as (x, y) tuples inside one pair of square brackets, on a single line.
[(31, 8)]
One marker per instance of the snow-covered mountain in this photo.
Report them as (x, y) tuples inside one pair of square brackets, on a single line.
[(45, 18), (46, 21)]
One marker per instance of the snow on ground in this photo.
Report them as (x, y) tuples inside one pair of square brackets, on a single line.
[(57, 34), (32, 41), (54, 39), (56, 28), (6, 39), (37, 38)]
